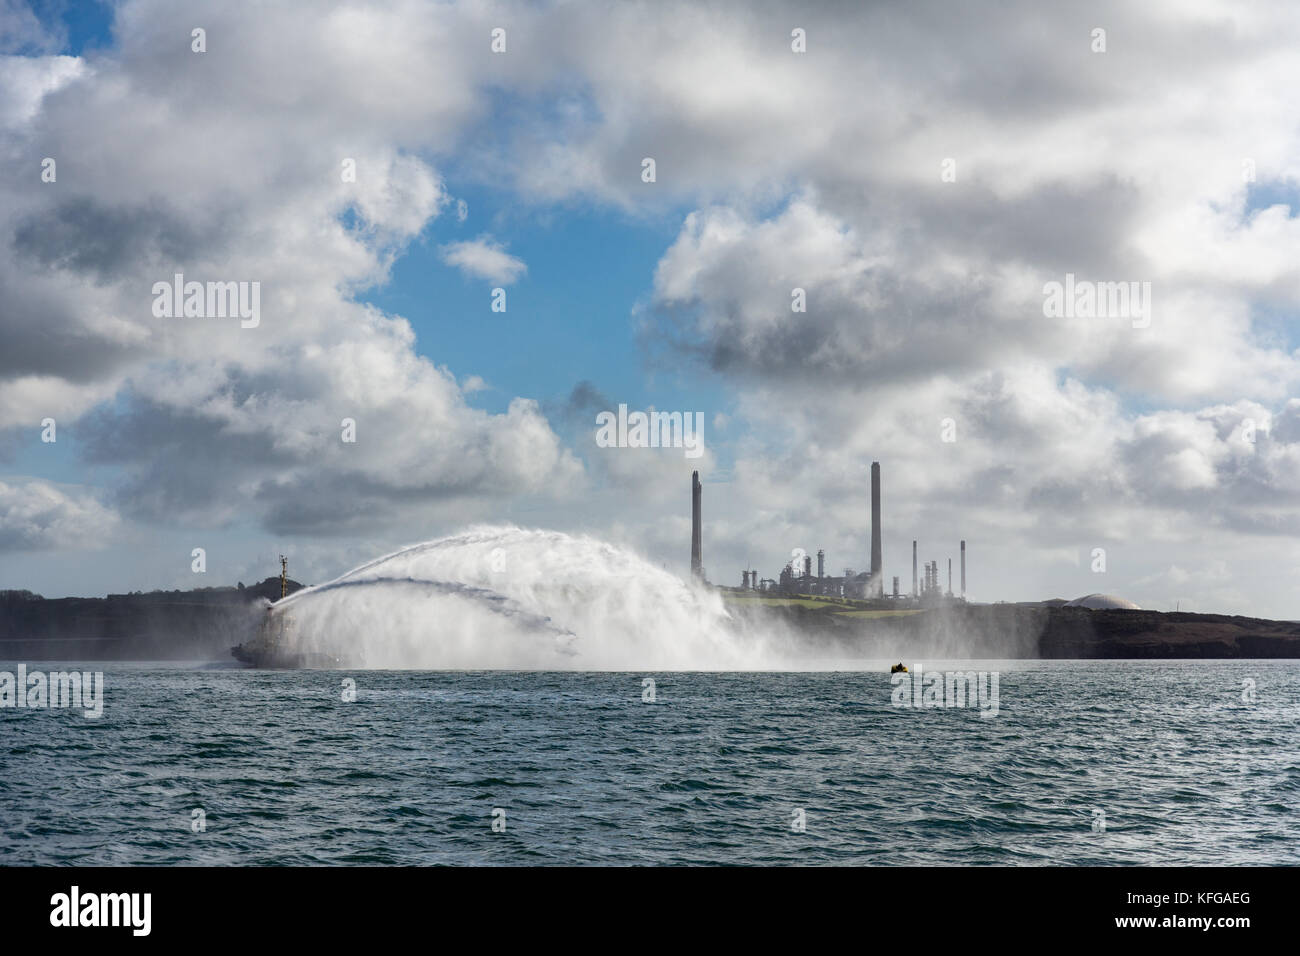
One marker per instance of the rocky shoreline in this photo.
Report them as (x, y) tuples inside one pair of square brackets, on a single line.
[(199, 624), (1030, 631), (204, 624)]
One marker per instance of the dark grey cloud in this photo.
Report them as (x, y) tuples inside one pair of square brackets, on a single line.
[(43, 337), (107, 242), (902, 316), (580, 406)]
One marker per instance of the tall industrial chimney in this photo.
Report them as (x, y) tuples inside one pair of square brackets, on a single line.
[(963, 569), (877, 571), (915, 592), (950, 577), (821, 564), (697, 564)]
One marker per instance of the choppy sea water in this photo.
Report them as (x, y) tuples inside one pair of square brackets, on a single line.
[(1106, 762)]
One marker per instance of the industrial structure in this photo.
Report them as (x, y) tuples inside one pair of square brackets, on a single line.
[(797, 577), (876, 589), (697, 561)]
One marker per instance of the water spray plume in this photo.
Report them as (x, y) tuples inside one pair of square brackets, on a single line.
[(511, 598)]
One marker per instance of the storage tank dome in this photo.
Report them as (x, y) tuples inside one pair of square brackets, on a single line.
[(1104, 602)]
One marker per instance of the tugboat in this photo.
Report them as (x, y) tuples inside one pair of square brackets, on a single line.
[(899, 668), (277, 642)]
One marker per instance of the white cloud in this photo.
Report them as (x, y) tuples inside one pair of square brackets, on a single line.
[(483, 258), (37, 515), (21, 31), (24, 82), (924, 297), (226, 166)]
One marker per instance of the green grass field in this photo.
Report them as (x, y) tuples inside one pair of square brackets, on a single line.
[(833, 605), (875, 613)]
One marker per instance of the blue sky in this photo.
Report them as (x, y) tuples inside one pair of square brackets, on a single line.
[(569, 320), (775, 171), (86, 26)]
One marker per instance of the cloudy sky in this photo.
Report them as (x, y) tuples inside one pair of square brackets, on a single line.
[(922, 171)]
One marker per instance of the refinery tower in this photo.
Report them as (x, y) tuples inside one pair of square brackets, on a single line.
[(697, 562), (876, 582)]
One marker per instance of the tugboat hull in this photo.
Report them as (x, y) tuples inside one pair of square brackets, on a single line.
[(277, 647)]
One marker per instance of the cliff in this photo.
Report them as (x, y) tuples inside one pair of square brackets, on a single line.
[(200, 624), (1029, 631)]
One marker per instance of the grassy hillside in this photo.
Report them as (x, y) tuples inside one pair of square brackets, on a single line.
[(830, 605)]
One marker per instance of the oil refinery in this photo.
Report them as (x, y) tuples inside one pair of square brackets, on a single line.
[(798, 579)]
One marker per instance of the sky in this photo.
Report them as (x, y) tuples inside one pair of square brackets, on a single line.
[(922, 172)]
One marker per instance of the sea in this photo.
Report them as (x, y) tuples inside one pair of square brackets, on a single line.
[(1072, 763)]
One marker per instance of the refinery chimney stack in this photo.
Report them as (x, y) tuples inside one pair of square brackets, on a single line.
[(963, 569), (877, 579), (915, 592), (697, 564)]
